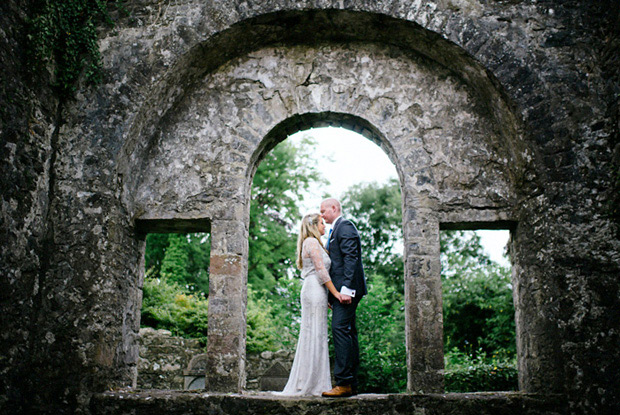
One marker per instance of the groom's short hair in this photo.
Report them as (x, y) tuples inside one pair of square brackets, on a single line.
[(333, 202)]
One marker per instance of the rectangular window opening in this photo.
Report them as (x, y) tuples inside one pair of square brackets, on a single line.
[(478, 311), (173, 324)]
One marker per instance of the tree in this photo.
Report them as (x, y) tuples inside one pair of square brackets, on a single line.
[(479, 328), (477, 298), (176, 259), (177, 265), (183, 258), (376, 211), (279, 185), (176, 284)]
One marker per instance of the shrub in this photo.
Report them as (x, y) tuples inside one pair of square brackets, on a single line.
[(165, 305), (273, 319), (381, 327), (465, 373)]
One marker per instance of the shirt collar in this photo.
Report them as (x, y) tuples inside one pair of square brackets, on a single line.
[(336, 221)]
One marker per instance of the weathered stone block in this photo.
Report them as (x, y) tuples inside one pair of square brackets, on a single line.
[(163, 359), (226, 265)]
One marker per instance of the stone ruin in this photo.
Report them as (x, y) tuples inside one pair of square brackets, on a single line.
[(169, 362), (496, 114)]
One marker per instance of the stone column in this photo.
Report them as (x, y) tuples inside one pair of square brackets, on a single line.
[(423, 302), (225, 370)]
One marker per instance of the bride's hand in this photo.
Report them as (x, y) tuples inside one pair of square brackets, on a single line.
[(338, 297)]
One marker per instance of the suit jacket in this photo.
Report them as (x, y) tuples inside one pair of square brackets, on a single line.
[(345, 252)]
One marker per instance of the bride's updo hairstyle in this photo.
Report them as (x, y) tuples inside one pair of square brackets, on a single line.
[(309, 229)]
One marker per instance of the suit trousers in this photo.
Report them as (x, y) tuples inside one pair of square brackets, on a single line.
[(346, 347)]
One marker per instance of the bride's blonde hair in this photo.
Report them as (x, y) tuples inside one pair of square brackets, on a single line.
[(309, 229)]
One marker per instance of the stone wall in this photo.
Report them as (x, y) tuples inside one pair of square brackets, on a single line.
[(167, 362), (164, 359), (181, 403), (268, 371), (496, 114), (30, 349)]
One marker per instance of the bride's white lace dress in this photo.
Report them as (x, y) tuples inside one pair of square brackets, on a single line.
[(310, 374)]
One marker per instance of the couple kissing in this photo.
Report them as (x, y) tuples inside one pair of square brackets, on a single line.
[(333, 277)]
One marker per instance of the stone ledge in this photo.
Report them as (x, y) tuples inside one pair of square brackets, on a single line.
[(153, 402)]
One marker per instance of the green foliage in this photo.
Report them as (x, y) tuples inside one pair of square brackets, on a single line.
[(280, 182), (381, 327), (377, 213), (273, 321), (179, 264), (477, 298), (165, 305), (174, 264), (156, 244), (261, 328), (64, 32), (182, 258), (466, 373)]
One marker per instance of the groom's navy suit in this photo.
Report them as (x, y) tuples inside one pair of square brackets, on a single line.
[(345, 252)]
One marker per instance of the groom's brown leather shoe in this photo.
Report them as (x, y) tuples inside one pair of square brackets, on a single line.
[(339, 392)]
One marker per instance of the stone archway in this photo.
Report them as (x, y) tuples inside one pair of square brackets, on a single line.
[(540, 74), (454, 159)]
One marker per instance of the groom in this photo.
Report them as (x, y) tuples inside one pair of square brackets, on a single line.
[(347, 274)]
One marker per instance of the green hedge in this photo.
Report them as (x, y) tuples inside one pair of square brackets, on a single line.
[(483, 377), (167, 306), (465, 373)]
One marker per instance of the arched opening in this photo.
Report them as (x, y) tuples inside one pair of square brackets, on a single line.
[(361, 175), (125, 122), (454, 162)]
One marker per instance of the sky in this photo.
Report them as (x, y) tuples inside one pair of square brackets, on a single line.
[(346, 158)]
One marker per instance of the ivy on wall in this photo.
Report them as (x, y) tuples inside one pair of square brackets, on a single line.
[(63, 34)]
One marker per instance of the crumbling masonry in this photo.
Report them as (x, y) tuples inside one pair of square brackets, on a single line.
[(496, 114)]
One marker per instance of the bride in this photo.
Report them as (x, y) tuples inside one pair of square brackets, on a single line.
[(310, 374)]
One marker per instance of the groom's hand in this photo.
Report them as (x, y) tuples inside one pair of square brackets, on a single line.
[(345, 299)]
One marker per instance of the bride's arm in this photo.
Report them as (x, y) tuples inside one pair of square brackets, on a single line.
[(312, 247), (332, 289)]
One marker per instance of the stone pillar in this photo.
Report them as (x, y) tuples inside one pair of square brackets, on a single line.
[(423, 302), (225, 369)]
